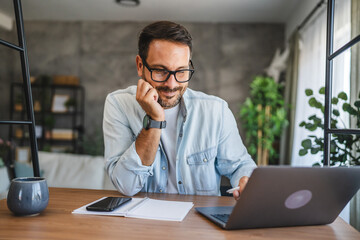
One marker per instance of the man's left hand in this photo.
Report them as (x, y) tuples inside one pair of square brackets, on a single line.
[(242, 184)]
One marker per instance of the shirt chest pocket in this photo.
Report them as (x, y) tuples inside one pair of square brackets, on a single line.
[(202, 167)]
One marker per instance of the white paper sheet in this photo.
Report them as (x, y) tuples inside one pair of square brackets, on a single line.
[(146, 208)]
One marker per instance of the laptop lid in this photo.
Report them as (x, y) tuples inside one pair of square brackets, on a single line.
[(291, 196)]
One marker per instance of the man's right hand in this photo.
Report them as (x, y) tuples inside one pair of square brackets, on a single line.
[(147, 97), (147, 141)]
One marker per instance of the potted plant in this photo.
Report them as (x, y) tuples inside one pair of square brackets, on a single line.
[(344, 149), (70, 104), (263, 116)]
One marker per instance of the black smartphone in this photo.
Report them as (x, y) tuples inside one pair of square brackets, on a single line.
[(108, 204)]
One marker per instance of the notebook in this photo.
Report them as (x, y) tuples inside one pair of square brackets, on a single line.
[(288, 196), (146, 208)]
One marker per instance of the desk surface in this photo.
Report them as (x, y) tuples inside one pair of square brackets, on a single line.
[(57, 222)]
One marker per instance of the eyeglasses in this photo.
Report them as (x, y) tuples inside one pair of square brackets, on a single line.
[(162, 75)]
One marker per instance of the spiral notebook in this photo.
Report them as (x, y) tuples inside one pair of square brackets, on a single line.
[(146, 208)]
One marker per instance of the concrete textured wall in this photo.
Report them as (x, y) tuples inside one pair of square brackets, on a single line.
[(102, 54)]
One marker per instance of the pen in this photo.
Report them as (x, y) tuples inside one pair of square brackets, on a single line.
[(233, 189)]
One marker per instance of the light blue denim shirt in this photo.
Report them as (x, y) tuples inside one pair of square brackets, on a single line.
[(208, 146)]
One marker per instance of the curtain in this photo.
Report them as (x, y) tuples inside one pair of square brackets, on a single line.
[(355, 89), (291, 83), (311, 75)]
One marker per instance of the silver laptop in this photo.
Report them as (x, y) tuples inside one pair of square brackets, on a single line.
[(289, 196)]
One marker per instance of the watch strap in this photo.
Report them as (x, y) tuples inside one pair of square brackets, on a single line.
[(150, 123), (157, 124)]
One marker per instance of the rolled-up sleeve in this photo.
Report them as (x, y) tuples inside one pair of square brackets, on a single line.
[(233, 160), (123, 164)]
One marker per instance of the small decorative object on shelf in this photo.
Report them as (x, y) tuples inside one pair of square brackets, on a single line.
[(19, 133), (18, 102), (37, 106)]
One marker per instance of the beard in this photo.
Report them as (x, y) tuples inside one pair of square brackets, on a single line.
[(168, 102)]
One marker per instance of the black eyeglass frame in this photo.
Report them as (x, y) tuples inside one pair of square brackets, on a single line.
[(192, 71)]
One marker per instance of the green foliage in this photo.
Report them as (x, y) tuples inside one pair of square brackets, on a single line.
[(93, 144), (344, 149), (264, 92), (49, 122)]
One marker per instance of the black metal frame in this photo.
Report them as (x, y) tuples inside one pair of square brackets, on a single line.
[(330, 55), (27, 86)]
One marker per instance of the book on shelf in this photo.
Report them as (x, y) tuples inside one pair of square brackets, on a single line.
[(63, 134)]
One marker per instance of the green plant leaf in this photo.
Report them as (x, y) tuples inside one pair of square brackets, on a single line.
[(347, 108), (312, 117), (334, 100), (312, 102), (336, 112), (357, 103), (303, 152), (311, 127), (306, 144), (343, 96), (315, 150), (318, 105), (308, 92), (322, 90)]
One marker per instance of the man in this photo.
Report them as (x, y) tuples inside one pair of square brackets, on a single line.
[(162, 137)]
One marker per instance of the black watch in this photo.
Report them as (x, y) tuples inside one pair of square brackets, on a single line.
[(150, 123)]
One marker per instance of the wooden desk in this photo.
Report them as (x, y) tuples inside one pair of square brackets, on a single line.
[(57, 222)]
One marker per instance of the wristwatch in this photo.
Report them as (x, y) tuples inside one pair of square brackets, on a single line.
[(150, 123)]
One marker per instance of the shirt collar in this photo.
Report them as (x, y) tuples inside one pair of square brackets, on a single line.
[(183, 109)]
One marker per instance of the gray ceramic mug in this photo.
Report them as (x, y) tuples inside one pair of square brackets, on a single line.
[(28, 196)]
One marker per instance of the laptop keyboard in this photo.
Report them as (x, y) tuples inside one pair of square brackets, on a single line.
[(222, 217)]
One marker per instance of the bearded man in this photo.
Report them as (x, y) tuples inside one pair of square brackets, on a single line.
[(162, 137)]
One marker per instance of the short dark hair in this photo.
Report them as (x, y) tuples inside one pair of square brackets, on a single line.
[(163, 30)]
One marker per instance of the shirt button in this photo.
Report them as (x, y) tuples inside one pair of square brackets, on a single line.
[(180, 182), (205, 160), (180, 135), (160, 190), (163, 168)]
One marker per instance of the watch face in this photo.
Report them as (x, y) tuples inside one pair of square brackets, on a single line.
[(149, 123), (146, 122)]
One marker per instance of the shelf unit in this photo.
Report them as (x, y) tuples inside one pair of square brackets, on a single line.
[(71, 122)]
